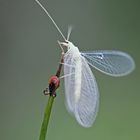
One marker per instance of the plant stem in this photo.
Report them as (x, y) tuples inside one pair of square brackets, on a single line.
[(45, 122)]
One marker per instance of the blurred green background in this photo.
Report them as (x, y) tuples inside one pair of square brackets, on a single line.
[(29, 55)]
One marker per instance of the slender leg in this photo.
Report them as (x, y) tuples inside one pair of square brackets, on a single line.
[(61, 61)]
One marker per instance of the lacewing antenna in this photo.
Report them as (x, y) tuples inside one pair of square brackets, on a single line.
[(69, 32), (54, 23)]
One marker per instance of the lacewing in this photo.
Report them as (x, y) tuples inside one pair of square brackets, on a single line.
[(81, 91)]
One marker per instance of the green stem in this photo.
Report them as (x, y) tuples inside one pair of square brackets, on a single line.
[(46, 118)]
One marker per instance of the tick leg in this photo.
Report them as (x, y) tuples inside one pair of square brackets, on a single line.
[(46, 91), (54, 94)]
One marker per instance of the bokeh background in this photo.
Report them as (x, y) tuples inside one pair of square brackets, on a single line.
[(29, 55)]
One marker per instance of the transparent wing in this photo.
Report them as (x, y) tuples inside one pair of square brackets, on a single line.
[(81, 90), (114, 63)]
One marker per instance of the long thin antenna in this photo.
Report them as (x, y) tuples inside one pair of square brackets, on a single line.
[(51, 19), (69, 31)]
